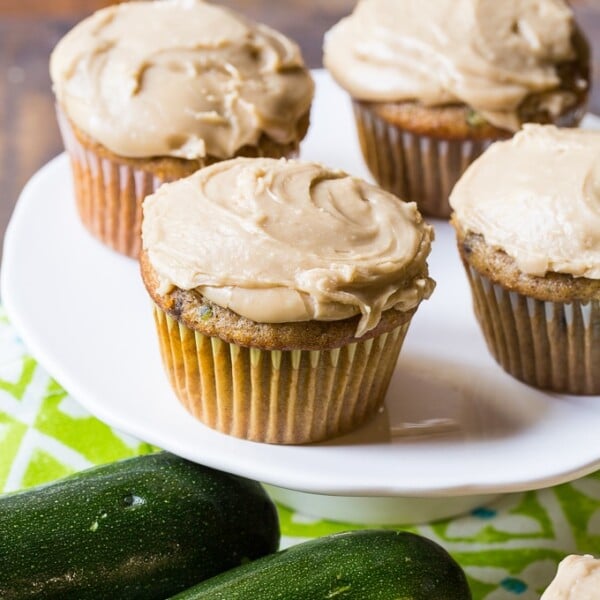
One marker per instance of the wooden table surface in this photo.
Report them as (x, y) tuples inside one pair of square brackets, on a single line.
[(29, 29)]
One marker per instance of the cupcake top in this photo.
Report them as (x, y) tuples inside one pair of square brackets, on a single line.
[(578, 577), (537, 198), (488, 54), (179, 78), (282, 240)]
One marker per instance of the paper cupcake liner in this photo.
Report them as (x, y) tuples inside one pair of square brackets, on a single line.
[(108, 194), (415, 167), (277, 396), (549, 345)]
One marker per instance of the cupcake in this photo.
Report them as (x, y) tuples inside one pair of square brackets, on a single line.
[(434, 83), (282, 294), (527, 218), (577, 577), (149, 92)]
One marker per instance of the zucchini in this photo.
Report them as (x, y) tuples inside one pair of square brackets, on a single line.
[(356, 565), (145, 528)]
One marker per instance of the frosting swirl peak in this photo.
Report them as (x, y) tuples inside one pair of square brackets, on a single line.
[(283, 240), (537, 198), (488, 54), (179, 78)]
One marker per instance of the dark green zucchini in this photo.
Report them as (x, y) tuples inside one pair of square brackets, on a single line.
[(143, 528), (357, 565)]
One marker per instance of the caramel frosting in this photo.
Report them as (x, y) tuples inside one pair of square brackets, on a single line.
[(537, 198), (577, 578), (179, 78), (282, 240), (488, 54)]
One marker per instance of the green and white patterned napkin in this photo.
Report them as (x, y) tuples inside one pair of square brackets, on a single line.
[(509, 550)]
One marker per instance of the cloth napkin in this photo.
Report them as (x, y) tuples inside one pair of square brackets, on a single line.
[(509, 550)]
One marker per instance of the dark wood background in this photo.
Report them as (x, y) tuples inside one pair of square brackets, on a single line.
[(29, 29)]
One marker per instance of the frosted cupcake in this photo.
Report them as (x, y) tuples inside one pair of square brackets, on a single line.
[(283, 291), (149, 92), (434, 83), (527, 218), (577, 577)]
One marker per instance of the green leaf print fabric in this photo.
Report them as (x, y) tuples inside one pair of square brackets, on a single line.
[(509, 549)]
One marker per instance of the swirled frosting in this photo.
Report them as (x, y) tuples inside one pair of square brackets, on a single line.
[(488, 54), (281, 241), (537, 197), (577, 578), (179, 78)]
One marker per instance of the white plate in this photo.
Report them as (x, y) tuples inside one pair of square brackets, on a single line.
[(84, 314)]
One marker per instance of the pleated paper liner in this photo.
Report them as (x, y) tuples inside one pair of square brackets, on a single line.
[(108, 193), (277, 396), (414, 167), (553, 346)]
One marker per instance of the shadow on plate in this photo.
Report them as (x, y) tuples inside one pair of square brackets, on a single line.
[(431, 400)]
